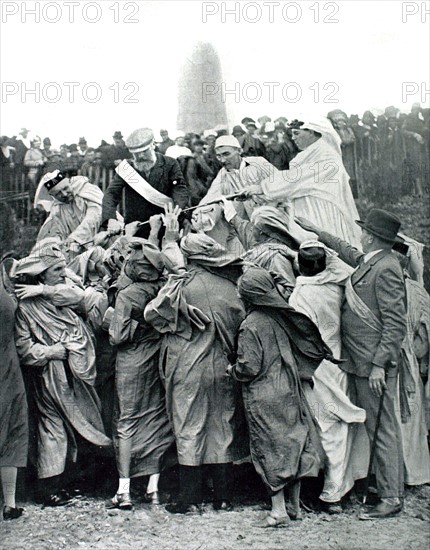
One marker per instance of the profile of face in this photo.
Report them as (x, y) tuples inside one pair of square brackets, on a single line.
[(36, 143), (229, 157), (304, 137), (63, 191), (366, 240), (54, 275)]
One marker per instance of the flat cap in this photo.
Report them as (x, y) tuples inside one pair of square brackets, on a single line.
[(140, 140)]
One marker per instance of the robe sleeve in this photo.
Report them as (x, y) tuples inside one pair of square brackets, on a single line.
[(249, 354), (243, 229), (30, 352), (122, 326), (64, 295), (89, 225), (348, 253)]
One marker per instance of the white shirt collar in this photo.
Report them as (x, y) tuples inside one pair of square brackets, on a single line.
[(370, 255)]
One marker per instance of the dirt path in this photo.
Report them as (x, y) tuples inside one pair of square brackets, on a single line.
[(86, 524)]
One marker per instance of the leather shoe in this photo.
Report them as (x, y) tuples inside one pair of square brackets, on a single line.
[(331, 508), (381, 510), (223, 505), (12, 513), (182, 508), (57, 499)]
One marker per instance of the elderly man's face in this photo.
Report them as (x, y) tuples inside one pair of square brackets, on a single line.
[(63, 192), (54, 275), (229, 157)]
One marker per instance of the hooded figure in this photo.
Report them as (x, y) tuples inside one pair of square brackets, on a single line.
[(53, 339), (142, 433), (277, 347)]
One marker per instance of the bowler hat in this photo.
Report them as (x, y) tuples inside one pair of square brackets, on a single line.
[(140, 140), (381, 223), (82, 140), (117, 135)]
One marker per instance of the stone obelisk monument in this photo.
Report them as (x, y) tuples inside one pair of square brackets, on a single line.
[(200, 104)]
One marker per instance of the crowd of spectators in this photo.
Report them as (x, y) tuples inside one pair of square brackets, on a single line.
[(385, 155)]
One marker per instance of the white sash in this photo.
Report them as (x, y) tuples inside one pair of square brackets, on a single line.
[(141, 186), (360, 308)]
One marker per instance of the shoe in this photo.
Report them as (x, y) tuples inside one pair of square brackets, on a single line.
[(274, 521), (332, 508), (119, 501), (381, 510), (12, 513), (57, 499), (153, 498), (223, 505), (183, 508), (293, 513)]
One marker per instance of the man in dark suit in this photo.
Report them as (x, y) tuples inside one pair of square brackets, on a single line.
[(161, 172), (373, 326)]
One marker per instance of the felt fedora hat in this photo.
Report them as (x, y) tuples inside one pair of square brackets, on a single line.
[(381, 223)]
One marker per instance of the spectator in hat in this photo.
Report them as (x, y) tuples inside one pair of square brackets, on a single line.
[(373, 325), (416, 158), (83, 146), (74, 160), (64, 150), (251, 145), (199, 155), (47, 147), (21, 145), (238, 131), (6, 164), (166, 142), (161, 172), (34, 160), (279, 149), (116, 152)]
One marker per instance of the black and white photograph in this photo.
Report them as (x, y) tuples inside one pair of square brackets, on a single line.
[(214, 274)]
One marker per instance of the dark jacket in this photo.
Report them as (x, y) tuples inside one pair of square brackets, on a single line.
[(380, 284), (165, 176)]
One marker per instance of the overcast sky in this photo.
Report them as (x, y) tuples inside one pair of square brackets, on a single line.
[(363, 60)]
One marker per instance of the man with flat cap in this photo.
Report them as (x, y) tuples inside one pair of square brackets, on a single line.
[(161, 172), (373, 325)]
